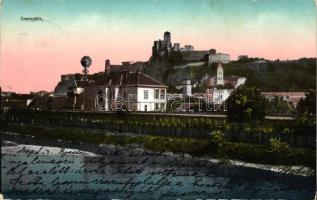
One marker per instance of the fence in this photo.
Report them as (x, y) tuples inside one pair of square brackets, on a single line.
[(163, 125)]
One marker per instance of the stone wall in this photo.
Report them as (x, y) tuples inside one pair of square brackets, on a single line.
[(194, 55)]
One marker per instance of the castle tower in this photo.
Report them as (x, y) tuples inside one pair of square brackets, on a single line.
[(167, 38), (155, 48), (219, 80)]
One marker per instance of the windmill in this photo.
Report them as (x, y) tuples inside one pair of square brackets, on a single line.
[(85, 62)]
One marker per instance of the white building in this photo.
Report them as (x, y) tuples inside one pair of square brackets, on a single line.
[(151, 99), (218, 57), (187, 89), (220, 87), (125, 91), (218, 96), (220, 80)]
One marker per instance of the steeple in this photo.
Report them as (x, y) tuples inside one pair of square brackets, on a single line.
[(219, 77)]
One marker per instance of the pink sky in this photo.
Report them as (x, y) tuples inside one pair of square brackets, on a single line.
[(33, 55), (36, 64)]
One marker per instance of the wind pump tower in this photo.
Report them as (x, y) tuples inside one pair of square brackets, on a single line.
[(85, 62)]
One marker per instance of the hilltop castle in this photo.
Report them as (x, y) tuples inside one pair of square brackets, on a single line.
[(187, 53)]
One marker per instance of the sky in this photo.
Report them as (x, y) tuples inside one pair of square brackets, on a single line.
[(33, 55)]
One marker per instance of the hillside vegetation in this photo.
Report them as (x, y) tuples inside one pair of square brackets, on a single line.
[(295, 75)]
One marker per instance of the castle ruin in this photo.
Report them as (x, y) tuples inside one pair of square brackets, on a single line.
[(164, 47)]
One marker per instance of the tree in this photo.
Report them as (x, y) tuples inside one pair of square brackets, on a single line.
[(308, 104), (246, 104), (306, 110), (278, 105)]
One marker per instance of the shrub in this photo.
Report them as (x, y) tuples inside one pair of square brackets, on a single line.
[(217, 137), (246, 104), (278, 146)]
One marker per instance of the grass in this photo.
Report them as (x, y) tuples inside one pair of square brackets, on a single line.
[(197, 147)]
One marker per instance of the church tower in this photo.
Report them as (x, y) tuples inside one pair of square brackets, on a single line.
[(219, 77)]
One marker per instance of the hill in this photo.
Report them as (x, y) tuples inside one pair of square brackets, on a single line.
[(293, 75)]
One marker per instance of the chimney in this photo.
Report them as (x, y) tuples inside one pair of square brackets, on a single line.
[(138, 72), (107, 67)]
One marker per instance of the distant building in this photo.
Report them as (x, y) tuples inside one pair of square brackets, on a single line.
[(162, 47), (243, 57), (220, 80), (16, 101), (188, 48), (218, 96), (187, 89), (133, 91), (165, 48), (219, 87), (291, 97), (218, 57), (125, 66)]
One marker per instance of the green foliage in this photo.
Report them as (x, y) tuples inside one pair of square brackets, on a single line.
[(192, 146), (278, 105), (306, 124), (199, 89), (308, 104), (217, 137), (246, 104), (278, 146), (277, 76), (306, 114), (172, 89)]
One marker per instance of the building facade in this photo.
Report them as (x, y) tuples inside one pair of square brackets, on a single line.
[(290, 97), (220, 87), (115, 91), (218, 57)]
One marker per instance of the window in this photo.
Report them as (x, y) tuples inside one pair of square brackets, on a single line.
[(156, 106), (146, 94), (156, 93), (162, 94), (162, 106), (101, 100)]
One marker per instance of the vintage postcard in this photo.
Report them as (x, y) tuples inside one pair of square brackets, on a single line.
[(158, 99)]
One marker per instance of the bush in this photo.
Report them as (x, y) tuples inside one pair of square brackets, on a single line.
[(217, 138), (246, 104), (278, 146), (217, 142)]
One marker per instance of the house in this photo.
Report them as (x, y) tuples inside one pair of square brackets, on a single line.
[(219, 79), (217, 96), (219, 87), (13, 101), (291, 97), (122, 90)]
